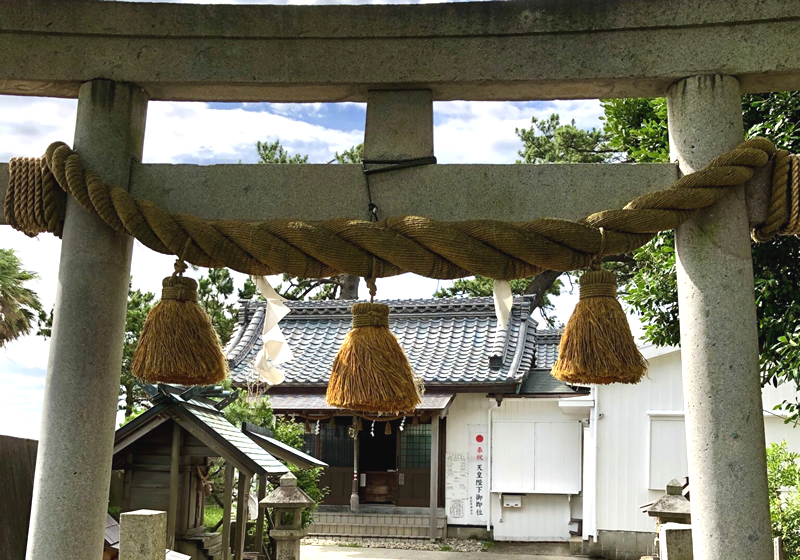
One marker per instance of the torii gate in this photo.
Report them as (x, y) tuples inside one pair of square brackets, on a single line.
[(114, 57)]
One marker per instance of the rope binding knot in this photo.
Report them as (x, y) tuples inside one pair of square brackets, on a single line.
[(370, 315), (177, 286)]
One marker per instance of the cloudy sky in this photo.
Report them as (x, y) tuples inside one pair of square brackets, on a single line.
[(211, 133)]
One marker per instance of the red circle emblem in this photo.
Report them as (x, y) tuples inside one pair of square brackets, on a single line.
[(479, 438)]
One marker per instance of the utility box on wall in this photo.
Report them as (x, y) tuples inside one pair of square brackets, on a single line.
[(512, 501)]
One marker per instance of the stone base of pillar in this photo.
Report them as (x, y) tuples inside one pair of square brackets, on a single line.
[(287, 543)]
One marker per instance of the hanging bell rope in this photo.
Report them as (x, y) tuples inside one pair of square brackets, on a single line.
[(178, 343), (494, 249), (371, 372), (597, 346)]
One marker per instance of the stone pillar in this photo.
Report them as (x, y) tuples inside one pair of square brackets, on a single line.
[(722, 393), (73, 466), (142, 534), (399, 125)]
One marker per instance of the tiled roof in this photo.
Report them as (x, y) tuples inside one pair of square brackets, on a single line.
[(200, 412), (449, 342), (539, 381), (316, 402), (263, 437), (547, 348), (240, 440)]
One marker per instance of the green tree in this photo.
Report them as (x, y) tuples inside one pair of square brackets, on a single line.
[(274, 152), (783, 478), (638, 129), (257, 410), (354, 155), (132, 397), (213, 294), (480, 286), (19, 305), (549, 141)]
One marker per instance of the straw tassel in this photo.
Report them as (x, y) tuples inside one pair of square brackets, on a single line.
[(371, 373), (359, 426), (415, 420), (597, 346), (388, 430), (178, 343)]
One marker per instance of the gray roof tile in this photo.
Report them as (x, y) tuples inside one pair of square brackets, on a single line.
[(239, 439), (448, 341), (200, 410)]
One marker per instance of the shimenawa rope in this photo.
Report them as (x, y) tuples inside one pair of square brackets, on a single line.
[(395, 245)]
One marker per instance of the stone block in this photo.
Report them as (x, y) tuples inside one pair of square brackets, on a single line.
[(675, 541), (142, 535)]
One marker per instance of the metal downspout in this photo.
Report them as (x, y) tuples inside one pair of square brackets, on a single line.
[(489, 450)]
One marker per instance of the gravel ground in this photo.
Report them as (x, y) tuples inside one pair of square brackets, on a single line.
[(454, 545)]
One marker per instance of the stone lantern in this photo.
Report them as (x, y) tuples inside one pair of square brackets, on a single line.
[(287, 502), (673, 515)]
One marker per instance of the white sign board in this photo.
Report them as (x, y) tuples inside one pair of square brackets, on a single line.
[(478, 483), (456, 479)]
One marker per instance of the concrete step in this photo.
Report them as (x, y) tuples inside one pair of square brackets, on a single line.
[(532, 548), (402, 531), (372, 525), (347, 537), (374, 519)]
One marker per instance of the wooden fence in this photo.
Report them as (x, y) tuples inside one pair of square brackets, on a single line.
[(17, 464)]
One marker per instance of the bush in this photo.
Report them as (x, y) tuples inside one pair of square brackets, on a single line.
[(258, 411), (783, 477)]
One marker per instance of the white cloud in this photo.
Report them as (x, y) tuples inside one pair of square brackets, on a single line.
[(21, 414), (29, 124), (484, 132), (195, 133)]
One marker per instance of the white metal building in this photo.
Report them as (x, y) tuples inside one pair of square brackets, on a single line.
[(635, 444), (594, 458)]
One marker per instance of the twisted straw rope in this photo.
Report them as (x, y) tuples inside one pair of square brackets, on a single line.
[(494, 249)]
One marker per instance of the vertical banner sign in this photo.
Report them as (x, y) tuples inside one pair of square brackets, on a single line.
[(456, 486), (478, 483)]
